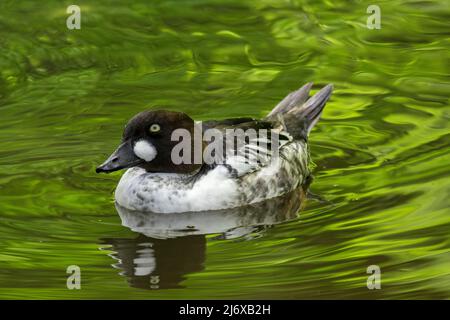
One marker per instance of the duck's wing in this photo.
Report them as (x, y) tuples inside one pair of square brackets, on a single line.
[(247, 145)]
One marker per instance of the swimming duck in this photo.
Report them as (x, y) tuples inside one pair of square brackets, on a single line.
[(155, 182)]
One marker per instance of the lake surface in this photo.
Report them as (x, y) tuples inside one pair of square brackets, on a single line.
[(380, 152)]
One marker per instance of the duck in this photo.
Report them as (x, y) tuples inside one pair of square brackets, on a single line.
[(223, 171)]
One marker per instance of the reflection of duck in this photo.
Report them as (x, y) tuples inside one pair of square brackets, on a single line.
[(158, 264), (173, 245)]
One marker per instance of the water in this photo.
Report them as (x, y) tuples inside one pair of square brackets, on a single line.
[(380, 151)]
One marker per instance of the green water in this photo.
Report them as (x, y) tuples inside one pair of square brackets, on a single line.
[(381, 150)]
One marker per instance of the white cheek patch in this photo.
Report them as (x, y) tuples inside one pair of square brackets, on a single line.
[(145, 150)]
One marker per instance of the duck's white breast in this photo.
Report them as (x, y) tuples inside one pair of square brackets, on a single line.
[(166, 192)]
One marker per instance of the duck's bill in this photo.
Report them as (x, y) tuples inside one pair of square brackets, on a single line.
[(122, 158)]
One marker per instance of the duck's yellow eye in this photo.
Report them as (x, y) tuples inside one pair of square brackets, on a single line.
[(154, 128)]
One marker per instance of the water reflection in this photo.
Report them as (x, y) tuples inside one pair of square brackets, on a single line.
[(150, 263), (170, 246)]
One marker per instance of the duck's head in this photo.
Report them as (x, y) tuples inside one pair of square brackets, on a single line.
[(147, 143)]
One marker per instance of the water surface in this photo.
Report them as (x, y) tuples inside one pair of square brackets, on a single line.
[(381, 160)]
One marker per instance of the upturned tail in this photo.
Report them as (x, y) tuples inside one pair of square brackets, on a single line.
[(299, 112)]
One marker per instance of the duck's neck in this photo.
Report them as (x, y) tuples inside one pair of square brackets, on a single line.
[(171, 168)]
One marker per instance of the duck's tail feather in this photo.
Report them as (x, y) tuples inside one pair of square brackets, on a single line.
[(292, 100), (311, 110), (301, 112)]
